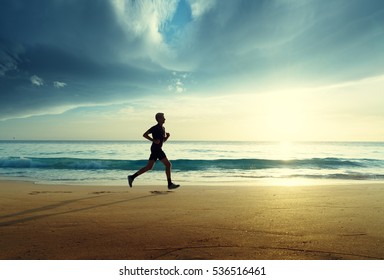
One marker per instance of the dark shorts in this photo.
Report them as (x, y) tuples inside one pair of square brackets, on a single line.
[(157, 154)]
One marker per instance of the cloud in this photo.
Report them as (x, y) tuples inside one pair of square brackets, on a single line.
[(58, 84), (290, 41), (177, 82), (200, 7), (9, 57), (141, 22), (37, 81), (8, 63), (108, 50)]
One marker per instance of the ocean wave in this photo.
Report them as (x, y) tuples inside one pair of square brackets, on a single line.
[(336, 176), (187, 165)]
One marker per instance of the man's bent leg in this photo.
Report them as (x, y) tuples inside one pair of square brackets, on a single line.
[(149, 166), (146, 168)]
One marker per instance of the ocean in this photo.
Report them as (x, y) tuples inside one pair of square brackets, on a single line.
[(193, 162)]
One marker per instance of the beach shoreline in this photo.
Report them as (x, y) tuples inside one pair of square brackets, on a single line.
[(56, 222)]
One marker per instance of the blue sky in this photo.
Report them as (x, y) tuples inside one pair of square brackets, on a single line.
[(220, 70)]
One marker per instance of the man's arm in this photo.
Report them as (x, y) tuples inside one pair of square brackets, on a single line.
[(166, 136), (146, 136)]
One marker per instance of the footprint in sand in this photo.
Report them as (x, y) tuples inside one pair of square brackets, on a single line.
[(46, 192), (161, 192), (101, 192)]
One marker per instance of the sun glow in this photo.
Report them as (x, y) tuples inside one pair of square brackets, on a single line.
[(286, 150), (288, 117)]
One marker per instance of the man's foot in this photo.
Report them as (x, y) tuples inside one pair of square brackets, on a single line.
[(130, 181), (172, 186)]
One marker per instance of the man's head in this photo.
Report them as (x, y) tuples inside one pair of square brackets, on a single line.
[(160, 118)]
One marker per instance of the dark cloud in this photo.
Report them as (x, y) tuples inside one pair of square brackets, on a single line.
[(78, 43), (87, 27), (28, 85)]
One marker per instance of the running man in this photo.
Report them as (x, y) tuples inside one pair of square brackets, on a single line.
[(158, 138)]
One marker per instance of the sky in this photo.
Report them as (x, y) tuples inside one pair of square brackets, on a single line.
[(250, 70)]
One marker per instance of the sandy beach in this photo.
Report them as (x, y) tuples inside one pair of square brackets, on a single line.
[(53, 222)]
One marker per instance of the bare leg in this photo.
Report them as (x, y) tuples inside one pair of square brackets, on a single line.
[(146, 168), (149, 166), (168, 167)]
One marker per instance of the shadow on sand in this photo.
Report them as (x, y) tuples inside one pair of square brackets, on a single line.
[(36, 212)]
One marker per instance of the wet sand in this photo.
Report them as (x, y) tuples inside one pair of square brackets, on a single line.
[(52, 222)]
